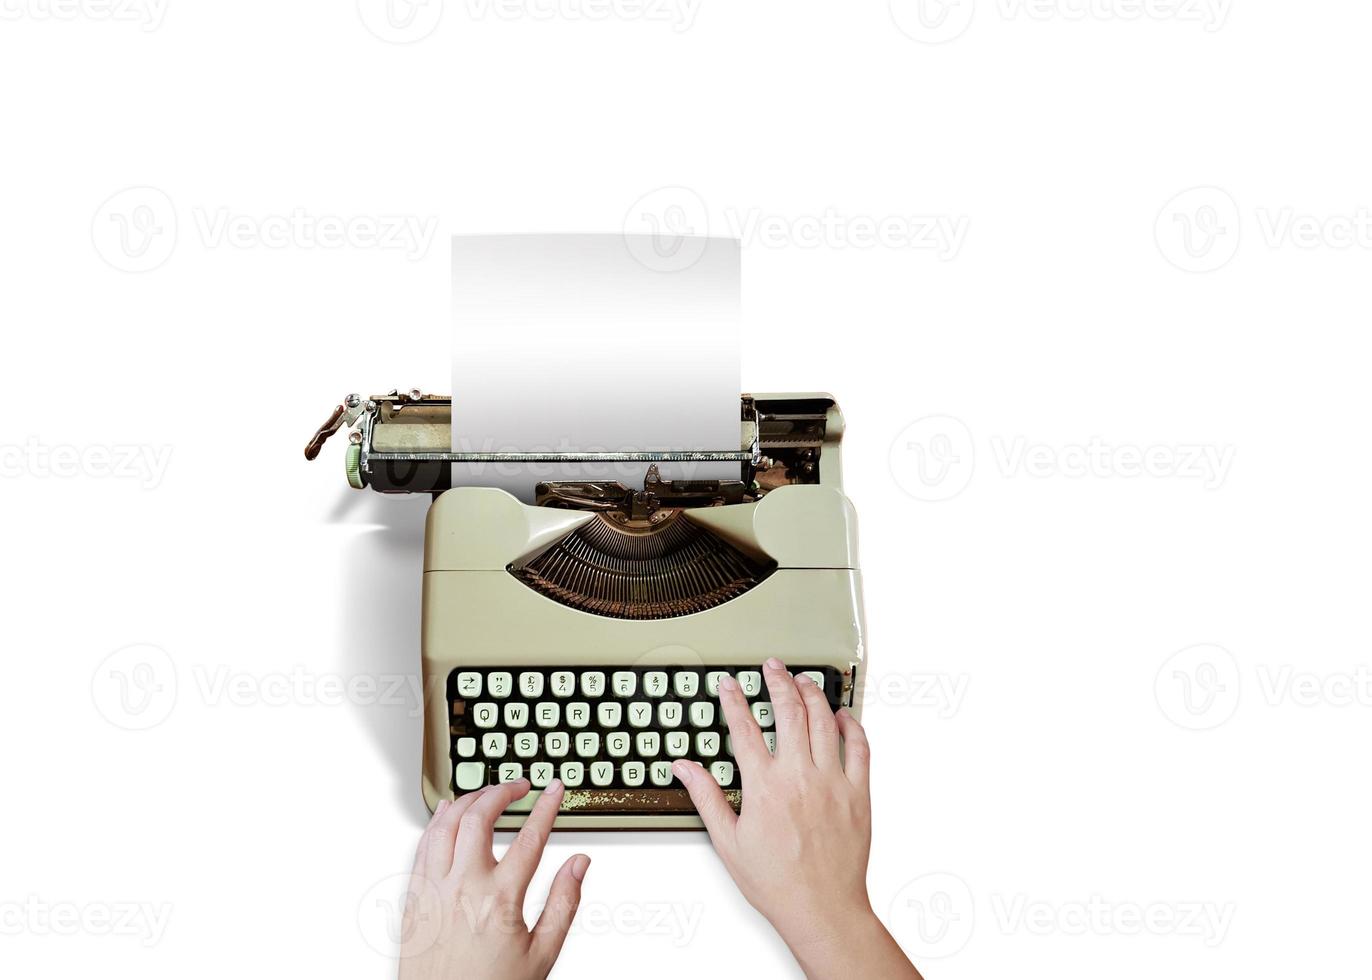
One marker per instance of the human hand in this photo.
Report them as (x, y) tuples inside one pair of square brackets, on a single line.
[(798, 849), (464, 916)]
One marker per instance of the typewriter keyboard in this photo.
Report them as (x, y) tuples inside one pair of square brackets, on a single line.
[(609, 734)]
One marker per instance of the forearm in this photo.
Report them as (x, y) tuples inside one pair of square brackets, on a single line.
[(856, 946)]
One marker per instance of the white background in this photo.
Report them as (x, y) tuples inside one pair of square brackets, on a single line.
[(264, 818)]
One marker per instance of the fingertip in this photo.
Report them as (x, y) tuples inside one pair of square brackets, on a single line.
[(551, 796), (680, 771), (580, 863), (775, 664)]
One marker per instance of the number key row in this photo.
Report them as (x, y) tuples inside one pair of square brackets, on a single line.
[(591, 683)]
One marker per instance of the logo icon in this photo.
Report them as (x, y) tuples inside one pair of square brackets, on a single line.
[(401, 915), (932, 21), (933, 915), (933, 458), (135, 230), (1198, 230), (400, 21), (666, 229), (1198, 688), (135, 687)]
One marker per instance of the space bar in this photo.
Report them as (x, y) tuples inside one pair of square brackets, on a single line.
[(667, 800)]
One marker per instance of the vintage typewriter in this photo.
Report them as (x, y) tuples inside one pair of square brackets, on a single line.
[(583, 637)]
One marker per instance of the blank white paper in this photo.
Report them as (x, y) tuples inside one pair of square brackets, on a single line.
[(571, 343)]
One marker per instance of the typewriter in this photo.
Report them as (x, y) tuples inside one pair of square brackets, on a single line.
[(582, 637)]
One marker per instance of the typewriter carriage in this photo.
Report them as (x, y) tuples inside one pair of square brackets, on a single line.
[(401, 442)]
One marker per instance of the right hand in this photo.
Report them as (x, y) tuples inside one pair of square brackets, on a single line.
[(798, 850)]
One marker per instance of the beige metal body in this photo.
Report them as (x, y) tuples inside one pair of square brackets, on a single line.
[(478, 614)]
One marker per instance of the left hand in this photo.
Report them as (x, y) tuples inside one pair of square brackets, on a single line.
[(464, 916)]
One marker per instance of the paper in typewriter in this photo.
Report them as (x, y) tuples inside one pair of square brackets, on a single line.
[(589, 343)]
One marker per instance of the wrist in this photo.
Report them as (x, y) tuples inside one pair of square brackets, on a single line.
[(829, 945)]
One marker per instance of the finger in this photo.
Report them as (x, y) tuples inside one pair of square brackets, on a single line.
[(421, 850), (750, 751), (442, 834), (563, 897), (716, 813), (793, 735), (475, 829), (857, 755), (820, 719), (521, 860)]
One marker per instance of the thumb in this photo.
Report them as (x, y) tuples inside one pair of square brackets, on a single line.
[(714, 809), (563, 897)]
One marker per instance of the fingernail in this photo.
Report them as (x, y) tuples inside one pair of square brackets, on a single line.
[(728, 683), (442, 805), (845, 712), (682, 771), (775, 664), (579, 865), (804, 679), (554, 787)]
